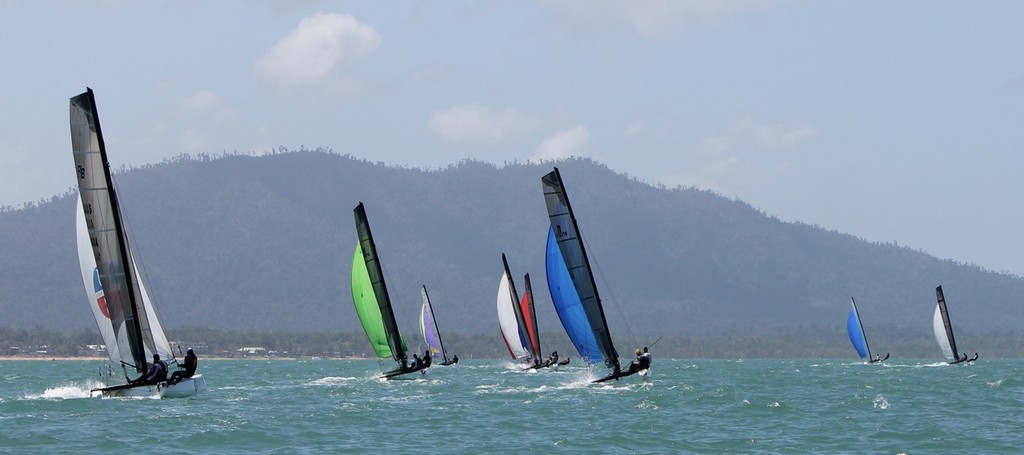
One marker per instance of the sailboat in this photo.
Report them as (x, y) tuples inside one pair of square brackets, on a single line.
[(370, 296), (857, 336), (571, 284), (518, 320), (510, 318), (122, 307), (431, 334), (944, 331)]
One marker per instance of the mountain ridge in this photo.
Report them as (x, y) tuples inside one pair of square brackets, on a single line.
[(242, 242)]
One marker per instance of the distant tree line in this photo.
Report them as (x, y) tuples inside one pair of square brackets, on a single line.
[(795, 342)]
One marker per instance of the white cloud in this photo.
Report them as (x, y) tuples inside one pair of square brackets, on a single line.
[(574, 141), (654, 18), (744, 158), (474, 123), (755, 136), (636, 128), (316, 49), (202, 101)]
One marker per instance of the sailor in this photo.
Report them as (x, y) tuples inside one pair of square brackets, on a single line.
[(427, 359), (553, 360), (157, 372), (191, 363), (645, 359), (634, 366), (455, 359), (416, 362)]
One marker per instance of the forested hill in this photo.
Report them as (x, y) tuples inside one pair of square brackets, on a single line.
[(266, 243)]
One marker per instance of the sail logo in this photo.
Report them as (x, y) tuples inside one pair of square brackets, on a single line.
[(559, 232), (101, 299)]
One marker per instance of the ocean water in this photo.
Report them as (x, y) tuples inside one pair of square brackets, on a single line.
[(489, 406)]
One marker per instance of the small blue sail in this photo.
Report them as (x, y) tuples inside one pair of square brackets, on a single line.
[(567, 304), (856, 332)]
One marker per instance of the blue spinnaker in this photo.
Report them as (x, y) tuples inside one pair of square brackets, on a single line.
[(567, 303), (856, 331)]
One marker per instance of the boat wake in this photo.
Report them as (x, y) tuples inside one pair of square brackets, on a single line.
[(66, 391), (332, 380)]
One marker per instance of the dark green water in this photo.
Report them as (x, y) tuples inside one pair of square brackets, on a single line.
[(691, 406)]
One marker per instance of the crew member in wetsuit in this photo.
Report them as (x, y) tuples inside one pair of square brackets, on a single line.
[(645, 359), (455, 359), (427, 359), (416, 362), (634, 366), (157, 372), (191, 363), (552, 360)]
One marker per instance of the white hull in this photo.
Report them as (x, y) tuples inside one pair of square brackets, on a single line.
[(184, 389)]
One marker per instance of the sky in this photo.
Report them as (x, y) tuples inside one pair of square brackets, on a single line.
[(891, 121)]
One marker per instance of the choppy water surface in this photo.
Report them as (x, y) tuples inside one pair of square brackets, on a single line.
[(705, 406)]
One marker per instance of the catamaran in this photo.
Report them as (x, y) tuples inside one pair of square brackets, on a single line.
[(944, 331), (431, 334), (370, 296), (857, 336), (572, 287), (122, 307)]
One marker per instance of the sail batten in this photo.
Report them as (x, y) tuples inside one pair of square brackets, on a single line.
[(579, 308)]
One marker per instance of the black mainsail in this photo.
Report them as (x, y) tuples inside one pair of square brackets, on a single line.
[(370, 296), (944, 331), (565, 231), (106, 233)]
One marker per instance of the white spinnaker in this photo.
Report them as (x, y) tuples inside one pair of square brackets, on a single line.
[(94, 291), (507, 319), (940, 334), (117, 348)]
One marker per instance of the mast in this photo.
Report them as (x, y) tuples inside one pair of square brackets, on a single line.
[(433, 320), (567, 234), (941, 302), (106, 229), (380, 290)]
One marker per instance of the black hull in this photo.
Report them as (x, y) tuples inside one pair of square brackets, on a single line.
[(617, 376)]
